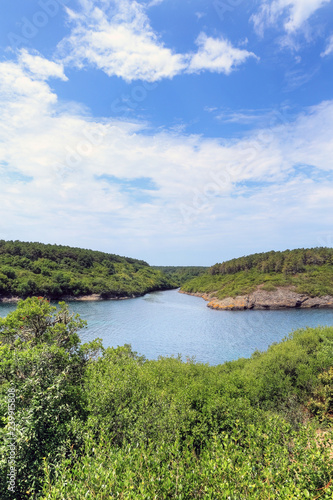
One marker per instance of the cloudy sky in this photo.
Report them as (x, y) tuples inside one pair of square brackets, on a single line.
[(181, 132)]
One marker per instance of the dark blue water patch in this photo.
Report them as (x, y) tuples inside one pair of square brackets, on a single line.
[(169, 323)]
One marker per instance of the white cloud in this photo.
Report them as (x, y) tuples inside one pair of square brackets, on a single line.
[(40, 67), (329, 47), (258, 185), (152, 3), (218, 55), (293, 13), (122, 43), (296, 78), (246, 117)]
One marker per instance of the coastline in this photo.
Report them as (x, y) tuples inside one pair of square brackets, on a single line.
[(94, 297), (9, 300), (281, 298), (69, 298)]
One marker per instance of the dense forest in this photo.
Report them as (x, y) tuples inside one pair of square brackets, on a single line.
[(80, 421), (55, 271), (308, 271), (181, 274), (287, 262)]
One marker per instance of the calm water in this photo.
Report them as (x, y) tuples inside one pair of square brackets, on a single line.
[(168, 323)]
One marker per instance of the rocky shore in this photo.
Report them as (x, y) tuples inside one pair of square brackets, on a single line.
[(9, 300), (95, 297), (70, 298), (281, 298)]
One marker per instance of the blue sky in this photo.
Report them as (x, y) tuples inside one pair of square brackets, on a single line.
[(180, 132)]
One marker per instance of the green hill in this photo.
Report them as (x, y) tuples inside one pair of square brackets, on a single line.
[(55, 271), (306, 271)]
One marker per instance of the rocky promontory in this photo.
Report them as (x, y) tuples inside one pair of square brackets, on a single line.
[(281, 298)]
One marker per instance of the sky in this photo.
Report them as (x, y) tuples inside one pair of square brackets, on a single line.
[(181, 132)]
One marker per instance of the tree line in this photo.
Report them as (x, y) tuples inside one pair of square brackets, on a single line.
[(181, 274), (55, 271), (287, 262)]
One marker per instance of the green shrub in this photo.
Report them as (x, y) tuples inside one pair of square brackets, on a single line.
[(43, 362)]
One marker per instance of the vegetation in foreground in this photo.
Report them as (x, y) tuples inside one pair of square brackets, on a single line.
[(107, 423), (56, 271), (308, 271)]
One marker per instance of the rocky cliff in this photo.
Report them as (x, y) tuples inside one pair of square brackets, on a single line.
[(281, 298)]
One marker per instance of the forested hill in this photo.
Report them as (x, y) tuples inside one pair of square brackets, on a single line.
[(307, 271), (181, 274), (287, 262), (55, 271)]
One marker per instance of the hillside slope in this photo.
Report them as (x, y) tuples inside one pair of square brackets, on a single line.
[(272, 280), (56, 271), (181, 274)]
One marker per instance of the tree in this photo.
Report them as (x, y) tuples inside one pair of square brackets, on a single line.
[(43, 362)]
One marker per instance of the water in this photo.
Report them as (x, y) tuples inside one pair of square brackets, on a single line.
[(168, 323)]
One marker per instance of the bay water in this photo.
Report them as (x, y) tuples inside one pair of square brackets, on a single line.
[(170, 323)]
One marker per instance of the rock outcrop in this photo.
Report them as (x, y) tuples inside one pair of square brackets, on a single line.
[(281, 298)]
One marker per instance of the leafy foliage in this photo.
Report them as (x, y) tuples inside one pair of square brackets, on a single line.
[(42, 359), (108, 423), (322, 402), (181, 274), (288, 262), (56, 271), (254, 463), (308, 271), (168, 429)]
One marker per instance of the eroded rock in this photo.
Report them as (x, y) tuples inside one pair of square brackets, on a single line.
[(281, 298)]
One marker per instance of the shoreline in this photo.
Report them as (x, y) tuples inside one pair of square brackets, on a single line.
[(260, 300), (94, 297), (68, 298)]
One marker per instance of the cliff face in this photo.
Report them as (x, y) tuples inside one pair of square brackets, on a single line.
[(281, 298)]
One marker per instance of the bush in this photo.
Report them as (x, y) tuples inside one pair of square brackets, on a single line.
[(43, 362), (168, 429)]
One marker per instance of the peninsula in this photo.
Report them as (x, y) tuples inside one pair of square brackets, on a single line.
[(301, 278)]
